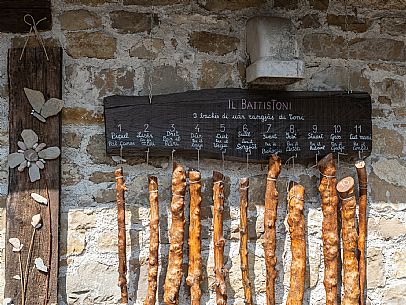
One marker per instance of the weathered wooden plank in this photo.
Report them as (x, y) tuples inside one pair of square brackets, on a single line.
[(235, 123), (12, 15), (34, 72)]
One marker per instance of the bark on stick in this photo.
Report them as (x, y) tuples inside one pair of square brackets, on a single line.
[(218, 200), (362, 223), (271, 209), (298, 245), (153, 241), (246, 282), (329, 204), (195, 259), (349, 236), (176, 233), (122, 256)]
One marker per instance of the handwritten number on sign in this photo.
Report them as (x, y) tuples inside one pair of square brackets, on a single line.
[(197, 128), (173, 127), (245, 128), (315, 128), (269, 128), (357, 128), (222, 127), (292, 128), (119, 127), (146, 126), (337, 128)]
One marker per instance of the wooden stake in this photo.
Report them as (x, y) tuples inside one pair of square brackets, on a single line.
[(174, 274), (195, 259), (298, 245), (218, 239), (329, 204), (271, 207), (349, 235), (246, 282), (153, 241), (362, 223), (122, 256)]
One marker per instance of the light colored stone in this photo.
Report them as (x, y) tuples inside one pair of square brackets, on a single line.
[(391, 170), (399, 260), (71, 139), (387, 228), (81, 220), (395, 294), (387, 142), (107, 242), (375, 268), (75, 243), (394, 90), (93, 283), (166, 79), (93, 45)]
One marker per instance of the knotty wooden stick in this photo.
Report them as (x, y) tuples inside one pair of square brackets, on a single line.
[(298, 244), (219, 270), (153, 241), (246, 282), (362, 224), (195, 259), (271, 208), (329, 204), (349, 235), (122, 256), (174, 274)]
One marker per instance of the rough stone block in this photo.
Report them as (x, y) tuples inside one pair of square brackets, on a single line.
[(310, 21), (393, 89), (321, 5), (76, 243), (215, 75), (375, 268), (154, 2), (81, 116), (213, 43), (221, 5), (393, 26), (71, 139), (132, 22), (387, 228), (387, 142), (93, 45), (165, 80), (326, 45), (147, 49), (91, 2), (352, 23), (79, 20), (102, 177), (80, 220), (379, 4)]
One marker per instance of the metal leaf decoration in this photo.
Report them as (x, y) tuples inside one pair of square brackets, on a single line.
[(39, 264), (36, 221), (17, 245), (40, 199), (41, 109)]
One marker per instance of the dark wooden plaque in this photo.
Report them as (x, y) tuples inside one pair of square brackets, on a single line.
[(12, 14), (34, 72), (235, 123)]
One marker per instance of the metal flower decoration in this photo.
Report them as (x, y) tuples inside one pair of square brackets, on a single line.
[(32, 155)]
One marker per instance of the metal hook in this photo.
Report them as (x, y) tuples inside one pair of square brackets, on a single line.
[(173, 151), (222, 157), (198, 159), (147, 151), (121, 151)]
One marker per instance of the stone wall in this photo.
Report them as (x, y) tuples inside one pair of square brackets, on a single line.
[(117, 46)]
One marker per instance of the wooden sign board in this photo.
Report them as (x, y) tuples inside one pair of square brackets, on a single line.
[(234, 123), (34, 72), (12, 14)]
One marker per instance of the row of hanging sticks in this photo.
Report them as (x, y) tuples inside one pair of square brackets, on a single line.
[(331, 194)]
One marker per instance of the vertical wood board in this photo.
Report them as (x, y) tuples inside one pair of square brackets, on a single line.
[(33, 72)]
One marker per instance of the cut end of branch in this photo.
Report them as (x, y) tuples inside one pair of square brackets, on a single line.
[(194, 175), (244, 182), (360, 164), (152, 183), (217, 176), (327, 165), (345, 185), (118, 172)]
